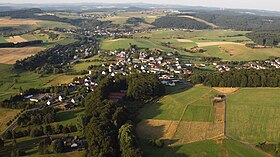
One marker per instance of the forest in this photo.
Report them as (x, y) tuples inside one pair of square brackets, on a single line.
[(239, 78), (179, 22), (109, 126)]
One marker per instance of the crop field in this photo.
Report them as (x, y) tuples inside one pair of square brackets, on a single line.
[(253, 115), (12, 22), (11, 55), (224, 148), (218, 43), (5, 116)]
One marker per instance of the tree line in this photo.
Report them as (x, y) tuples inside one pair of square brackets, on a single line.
[(239, 78), (21, 44), (179, 22)]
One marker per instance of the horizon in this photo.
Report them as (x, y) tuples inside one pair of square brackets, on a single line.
[(270, 5)]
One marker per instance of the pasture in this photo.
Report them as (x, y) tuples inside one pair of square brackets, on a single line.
[(68, 117), (253, 115)]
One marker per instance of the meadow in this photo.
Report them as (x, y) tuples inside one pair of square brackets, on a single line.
[(218, 43), (253, 115)]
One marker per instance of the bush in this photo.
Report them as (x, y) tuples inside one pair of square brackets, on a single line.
[(157, 143)]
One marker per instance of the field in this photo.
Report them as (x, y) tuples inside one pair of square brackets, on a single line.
[(211, 148), (11, 81), (11, 22), (253, 115), (218, 43), (5, 116), (183, 117), (121, 17), (11, 55), (85, 63)]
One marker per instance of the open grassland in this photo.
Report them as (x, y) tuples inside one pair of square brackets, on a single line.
[(253, 115), (5, 116), (208, 148), (11, 55)]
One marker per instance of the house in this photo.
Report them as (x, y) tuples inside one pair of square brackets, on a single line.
[(74, 100), (61, 98), (34, 100), (69, 106)]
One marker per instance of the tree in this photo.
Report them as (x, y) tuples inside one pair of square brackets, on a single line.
[(101, 138), (58, 146), (1, 142), (127, 140), (43, 147), (81, 123)]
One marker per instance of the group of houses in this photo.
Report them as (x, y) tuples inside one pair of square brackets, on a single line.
[(267, 64)]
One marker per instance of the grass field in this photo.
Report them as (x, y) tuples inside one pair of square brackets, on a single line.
[(253, 115), (208, 148), (85, 63)]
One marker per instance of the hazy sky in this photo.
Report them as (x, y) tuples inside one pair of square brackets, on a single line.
[(253, 4)]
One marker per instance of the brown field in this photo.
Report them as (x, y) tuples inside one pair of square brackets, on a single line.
[(16, 39), (184, 40), (6, 21), (117, 39), (5, 116), (182, 132), (204, 44), (226, 90), (11, 55)]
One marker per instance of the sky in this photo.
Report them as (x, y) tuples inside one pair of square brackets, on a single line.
[(244, 4)]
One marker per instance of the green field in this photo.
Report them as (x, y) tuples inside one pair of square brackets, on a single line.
[(230, 51), (196, 101), (208, 148), (253, 115)]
